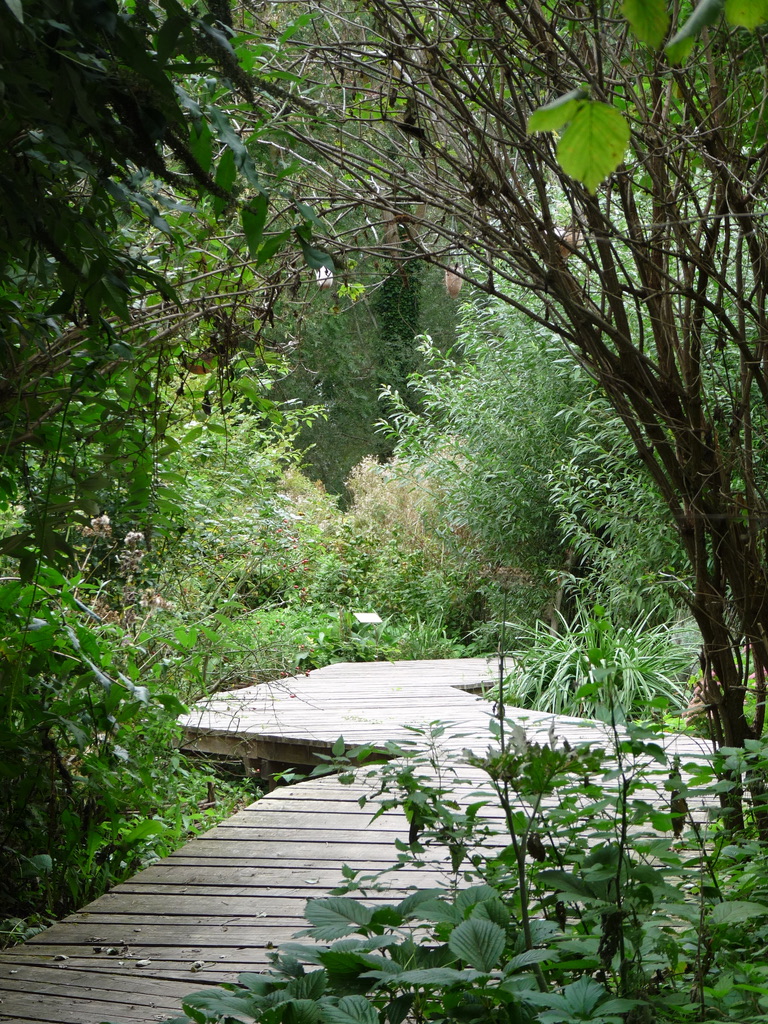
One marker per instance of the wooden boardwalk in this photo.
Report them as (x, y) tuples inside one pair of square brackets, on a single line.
[(218, 905), (290, 721)]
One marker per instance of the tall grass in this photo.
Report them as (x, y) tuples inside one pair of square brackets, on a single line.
[(590, 662)]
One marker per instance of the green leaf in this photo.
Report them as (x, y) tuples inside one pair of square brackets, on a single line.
[(226, 173), (577, 1001), (594, 143), (201, 144), (40, 864), (350, 1010), (437, 976), (746, 13), (530, 956), (302, 1011), (343, 965), (552, 116), (16, 9), (167, 37), (219, 1001), (62, 304), (308, 214), (566, 883), (680, 45), (148, 827), (386, 915), (315, 258), (338, 747), (254, 217), (468, 898), (271, 246), (399, 1008), (736, 911), (438, 911), (478, 941), (336, 916), (648, 19)]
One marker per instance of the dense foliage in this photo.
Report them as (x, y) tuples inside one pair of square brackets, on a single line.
[(610, 187), (172, 179), (567, 896)]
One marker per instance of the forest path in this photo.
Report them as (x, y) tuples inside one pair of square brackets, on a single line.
[(220, 903)]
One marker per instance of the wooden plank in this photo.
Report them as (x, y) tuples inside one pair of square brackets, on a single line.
[(22, 977), (45, 1009), (65, 985), (136, 937), (223, 902), (187, 966)]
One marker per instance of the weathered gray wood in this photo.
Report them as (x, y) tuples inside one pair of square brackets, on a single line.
[(224, 901)]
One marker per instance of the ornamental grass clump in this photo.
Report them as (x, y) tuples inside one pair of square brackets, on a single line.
[(591, 663)]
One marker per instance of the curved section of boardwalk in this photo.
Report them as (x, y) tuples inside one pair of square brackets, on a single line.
[(222, 902), (292, 720)]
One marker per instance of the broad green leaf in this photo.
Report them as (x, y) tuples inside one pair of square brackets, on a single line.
[(705, 13), (618, 1006), (412, 904), (302, 1011), (468, 898), (336, 916), (566, 883), (308, 214), (552, 116), (148, 827), (257, 984), (344, 965), (493, 910), (577, 1001), (746, 13), (530, 956), (350, 1010), (338, 747), (219, 1001), (438, 976), (583, 995), (594, 143), (16, 9), (314, 257), (226, 173), (736, 911), (167, 37), (649, 20), (478, 941), (254, 217), (40, 864), (399, 1008), (201, 144), (271, 246)]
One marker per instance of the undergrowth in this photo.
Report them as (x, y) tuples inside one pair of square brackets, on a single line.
[(563, 884), (94, 786)]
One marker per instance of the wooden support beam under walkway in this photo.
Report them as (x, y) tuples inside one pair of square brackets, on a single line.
[(222, 902)]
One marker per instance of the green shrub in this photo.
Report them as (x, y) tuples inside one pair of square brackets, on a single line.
[(94, 787)]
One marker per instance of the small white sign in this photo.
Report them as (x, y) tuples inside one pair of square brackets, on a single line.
[(367, 616)]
